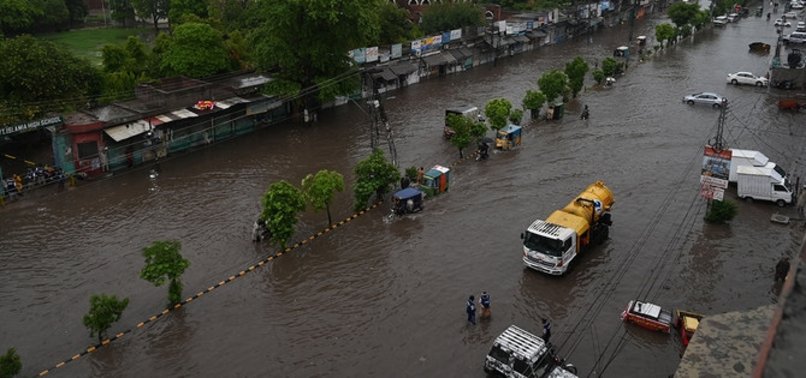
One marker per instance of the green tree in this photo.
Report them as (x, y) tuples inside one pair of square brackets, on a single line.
[(701, 19), (18, 15), (282, 203), (598, 76), (10, 364), (395, 25), (164, 262), (534, 100), (373, 175), (307, 42), (683, 13), (122, 11), (720, 212), (180, 8), (36, 77), (516, 116), (465, 130), (497, 112), (196, 50), (610, 67), (319, 189), (152, 9), (665, 32), (576, 70), (553, 84), (231, 14), (443, 17), (104, 310), (55, 15)]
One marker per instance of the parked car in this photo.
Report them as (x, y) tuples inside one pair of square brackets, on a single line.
[(796, 5), (747, 78), (720, 21), (795, 37), (706, 98), (783, 23), (801, 26), (791, 15), (733, 17)]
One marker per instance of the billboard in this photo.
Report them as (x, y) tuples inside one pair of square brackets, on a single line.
[(359, 55), (397, 51), (716, 163), (456, 34), (372, 54)]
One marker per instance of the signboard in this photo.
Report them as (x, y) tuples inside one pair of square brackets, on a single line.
[(371, 54), (28, 126), (456, 34), (530, 25), (397, 50), (359, 55), (712, 193), (713, 181), (716, 163), (446, 37), (501, 26), (417, 46)]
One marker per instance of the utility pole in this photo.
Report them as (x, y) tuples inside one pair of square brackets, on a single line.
[(719, 142), (378, 119), (633, 13)]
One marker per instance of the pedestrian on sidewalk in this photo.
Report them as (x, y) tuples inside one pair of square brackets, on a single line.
[(471, 310), (484, 301), (585, 113), (546, 330), (782, 269)]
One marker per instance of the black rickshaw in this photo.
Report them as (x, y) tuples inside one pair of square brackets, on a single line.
[(407, 201)]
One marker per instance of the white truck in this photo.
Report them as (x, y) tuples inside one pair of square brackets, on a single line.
[(751, 158), (762, 183), (517, 353)]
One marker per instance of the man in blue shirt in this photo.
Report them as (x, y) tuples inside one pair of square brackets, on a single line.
[(484, 300), (471, 310)]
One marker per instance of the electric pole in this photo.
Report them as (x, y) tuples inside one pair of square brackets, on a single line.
[(719, 142), (379, 121)]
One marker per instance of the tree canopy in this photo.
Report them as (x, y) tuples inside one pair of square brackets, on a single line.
[(306, 42), (497, 112), (465, 130), (195, 50), (164, 262), (683, 13), (610, 66), (576, 70), (442, 17), (37, 77), (319, 189), (395, 26), (374, 175), (10, 364), (179, 9), (534, 100), (553, 83), (152, 9), (282, 204), (665, 32), (104, 310)]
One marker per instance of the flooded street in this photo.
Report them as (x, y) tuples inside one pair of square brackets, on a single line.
[(381, 298)]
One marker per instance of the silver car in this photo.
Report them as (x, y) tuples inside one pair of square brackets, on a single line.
[(707, 98)]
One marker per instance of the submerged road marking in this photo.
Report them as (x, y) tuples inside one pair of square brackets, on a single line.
[(153, 318)]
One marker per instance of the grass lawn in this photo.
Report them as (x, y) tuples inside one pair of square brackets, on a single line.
[(87, 43)]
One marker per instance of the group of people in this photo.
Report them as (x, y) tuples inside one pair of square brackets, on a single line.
[(484, 302)]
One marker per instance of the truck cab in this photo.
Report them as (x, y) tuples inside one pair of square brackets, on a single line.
[(517, 353), (763, 183), (550, 245)]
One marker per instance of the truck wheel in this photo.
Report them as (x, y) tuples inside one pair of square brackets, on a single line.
[(780, 203), (748, 199)]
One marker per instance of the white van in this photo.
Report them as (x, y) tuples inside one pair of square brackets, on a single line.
[(762, 183), (753, 159)]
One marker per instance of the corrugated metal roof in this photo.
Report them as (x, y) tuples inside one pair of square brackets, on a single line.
[(403, 68), (123, 132), (435, 60)]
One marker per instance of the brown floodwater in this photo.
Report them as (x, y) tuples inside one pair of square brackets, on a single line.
[(383, 297)]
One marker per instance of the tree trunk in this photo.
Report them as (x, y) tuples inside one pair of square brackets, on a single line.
[(534, 113), (329, 221), (461, 153)]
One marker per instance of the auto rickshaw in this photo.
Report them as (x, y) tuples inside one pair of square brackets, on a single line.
[(621, 51), (641, 40), (407, 201), (436, 180), (508, 137)]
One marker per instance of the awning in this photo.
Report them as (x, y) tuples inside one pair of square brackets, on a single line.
[(435, 60), (385, 75), (521, 39), (449, 58), (123, 132), (466, 51), (403, 68), (173, 116), (537, 34), (457, 54), (506, 41), (229, 102)]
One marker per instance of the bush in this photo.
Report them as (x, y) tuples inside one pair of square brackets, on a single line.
[(720, 212), (598, 76), (10, 363), (516, 116)]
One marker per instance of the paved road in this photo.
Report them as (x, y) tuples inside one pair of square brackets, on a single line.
[(384, 297)]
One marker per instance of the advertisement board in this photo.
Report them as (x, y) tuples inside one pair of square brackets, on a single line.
[(397, 50), (372, 54), (716, 163), (456, 34)]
